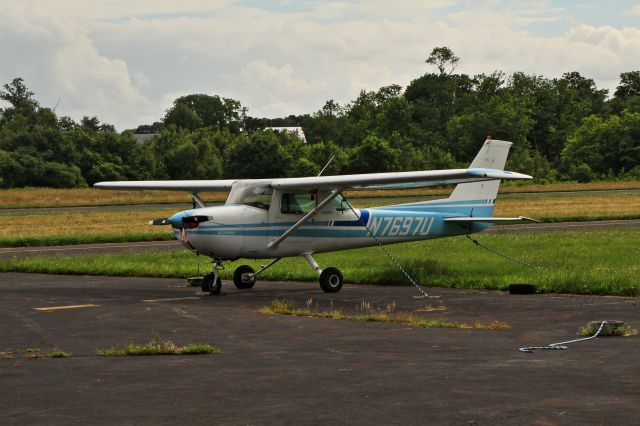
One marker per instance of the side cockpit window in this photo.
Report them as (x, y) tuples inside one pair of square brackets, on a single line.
[(303, 203), (297, 203)]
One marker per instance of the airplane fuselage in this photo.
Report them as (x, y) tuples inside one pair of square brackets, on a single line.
[(241, 231)]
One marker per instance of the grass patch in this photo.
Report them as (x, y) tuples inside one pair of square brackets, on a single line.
[(82, 228), (578, 207), (62, 240), (599, 262), (624, 330), (158, 347), (431, 308), (32, 353), (282, 307), (80, 197)]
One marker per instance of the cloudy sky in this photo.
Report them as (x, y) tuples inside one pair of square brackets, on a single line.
[(126, 60)]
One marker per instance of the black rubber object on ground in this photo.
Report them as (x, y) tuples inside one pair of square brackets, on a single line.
[(522, 288)]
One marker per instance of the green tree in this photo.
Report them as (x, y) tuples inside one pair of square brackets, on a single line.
[(259, 156), (503, 117), (18, 95), (199, 110), (183, 117), (604, 145), (374, 155), (627, 94), (326, 120), (629, 85), (443, 58), (435, 99)]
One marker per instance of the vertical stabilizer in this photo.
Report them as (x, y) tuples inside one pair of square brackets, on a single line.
[(492, 155)]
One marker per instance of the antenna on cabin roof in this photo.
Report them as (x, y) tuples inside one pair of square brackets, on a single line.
[(327, 165)]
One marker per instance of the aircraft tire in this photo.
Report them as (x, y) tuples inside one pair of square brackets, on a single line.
[(209, 286), (240, 278), (331, 280)]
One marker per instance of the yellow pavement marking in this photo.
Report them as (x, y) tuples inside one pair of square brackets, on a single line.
[(173, 299), (59, 308)]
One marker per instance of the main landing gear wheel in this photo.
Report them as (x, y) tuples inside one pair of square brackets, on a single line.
[(244, 277), (331, 280), (211, 283)]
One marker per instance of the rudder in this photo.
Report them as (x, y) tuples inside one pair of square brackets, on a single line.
[(492, 155)]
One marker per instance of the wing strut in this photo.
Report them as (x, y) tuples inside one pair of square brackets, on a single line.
[(197, 200), (305, 218)]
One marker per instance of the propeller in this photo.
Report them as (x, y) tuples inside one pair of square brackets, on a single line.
[(179, 221), (163, 221), (193, 221)]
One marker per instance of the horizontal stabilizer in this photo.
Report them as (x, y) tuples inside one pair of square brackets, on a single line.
[(469, 219)]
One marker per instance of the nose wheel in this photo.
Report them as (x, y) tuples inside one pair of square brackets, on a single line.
[(211, 283)]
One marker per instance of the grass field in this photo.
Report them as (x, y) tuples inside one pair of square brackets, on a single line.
[(46, 197), (598, 262), (118, 226), (81, 228)]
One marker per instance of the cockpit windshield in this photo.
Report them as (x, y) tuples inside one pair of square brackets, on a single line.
[(254, 196)]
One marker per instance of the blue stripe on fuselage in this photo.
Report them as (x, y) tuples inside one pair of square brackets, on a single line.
[(362, 221)]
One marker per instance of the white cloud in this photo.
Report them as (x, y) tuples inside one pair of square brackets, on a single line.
[(126, 61), (58, 60)]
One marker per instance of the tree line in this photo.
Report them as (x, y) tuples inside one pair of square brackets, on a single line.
[(563, 129)]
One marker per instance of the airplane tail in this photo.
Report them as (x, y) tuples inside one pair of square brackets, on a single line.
[(492, 155), (473, 199), (470, 202)]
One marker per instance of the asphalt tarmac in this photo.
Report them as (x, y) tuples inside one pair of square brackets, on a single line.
[(295, 370)]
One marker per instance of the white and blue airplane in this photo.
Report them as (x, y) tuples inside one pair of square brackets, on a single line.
[(278, 218)]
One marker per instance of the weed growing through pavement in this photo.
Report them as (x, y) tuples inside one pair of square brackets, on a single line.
[(431, 308), (370, 313), (158, 347), (624, 330), (35, 353), (53, 354)]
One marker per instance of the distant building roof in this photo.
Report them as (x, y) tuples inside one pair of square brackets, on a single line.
[(295, 130), (143, 137)]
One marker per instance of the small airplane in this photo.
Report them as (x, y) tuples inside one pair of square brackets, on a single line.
[(278, 218)]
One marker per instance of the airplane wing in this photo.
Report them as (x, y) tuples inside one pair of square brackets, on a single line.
[(170, 185), (343, 182), (396, 180)]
